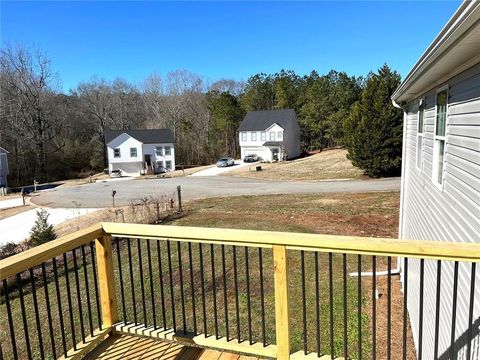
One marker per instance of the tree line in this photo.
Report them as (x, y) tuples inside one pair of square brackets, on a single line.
[(52, 135)]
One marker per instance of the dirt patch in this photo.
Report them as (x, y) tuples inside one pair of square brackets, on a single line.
[(329, 164), (5, 213)]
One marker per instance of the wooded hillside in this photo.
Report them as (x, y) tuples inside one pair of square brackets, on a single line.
[(52, 135)]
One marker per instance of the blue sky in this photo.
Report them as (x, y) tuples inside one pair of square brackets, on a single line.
[(223, 39)]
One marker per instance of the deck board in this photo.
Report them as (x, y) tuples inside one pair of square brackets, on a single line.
[(126, 347)]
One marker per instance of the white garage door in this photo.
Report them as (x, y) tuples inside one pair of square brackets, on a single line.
[(256, 151), (129, 169)]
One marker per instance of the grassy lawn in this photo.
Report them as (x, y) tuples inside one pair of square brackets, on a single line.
[(329, 164), (369, 214)]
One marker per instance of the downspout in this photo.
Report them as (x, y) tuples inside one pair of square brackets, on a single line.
[(397, 270)]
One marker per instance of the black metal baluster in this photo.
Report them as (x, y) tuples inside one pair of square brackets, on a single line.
[(142, 285), (182, 296), (249, 308), (192, 287), (172, 290), (162, 291), (120, 272), (304, 304), (87, 289), (214, 289), (470, 313), (225, 305), (374, 307), (10, 320), (69, 301), (235, 285), (202, 282), (389, 307), (49, 311), (345, 319), (359, 306), (317, 303), (454, 310), (420, 319), (59, 305), (37, 314), (405, 306), (330, 288), (95, 283), (79, 295), (152, 294), (262, 295), (437, 308), (132, 285), (24, 315)]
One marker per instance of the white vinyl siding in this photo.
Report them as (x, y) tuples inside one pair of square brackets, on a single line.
[(420, 136), (450, 215)]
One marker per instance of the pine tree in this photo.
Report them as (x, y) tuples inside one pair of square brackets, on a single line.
[(373, 131), (42, 231)]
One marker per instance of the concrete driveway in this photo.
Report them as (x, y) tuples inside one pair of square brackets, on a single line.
[(99, 194), (214, 171)]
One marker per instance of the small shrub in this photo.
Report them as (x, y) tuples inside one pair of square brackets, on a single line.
[(42, 231)]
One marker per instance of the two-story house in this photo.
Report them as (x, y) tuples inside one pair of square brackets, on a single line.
[(273, 135), (137, 152), (3, 167)]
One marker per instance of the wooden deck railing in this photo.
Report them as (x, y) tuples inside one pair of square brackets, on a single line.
[(269, 294)]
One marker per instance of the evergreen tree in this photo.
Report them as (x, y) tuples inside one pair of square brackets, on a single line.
[(373, 131), (42, 231)]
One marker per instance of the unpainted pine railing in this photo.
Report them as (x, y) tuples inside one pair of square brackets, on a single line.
[(269, 294)]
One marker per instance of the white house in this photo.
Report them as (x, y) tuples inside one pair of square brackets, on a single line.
[(137, 152), (440, 191), (274, 135), (3, 167)]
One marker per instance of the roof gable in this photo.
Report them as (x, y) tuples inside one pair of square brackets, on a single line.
[(264, 119), (145, 136)]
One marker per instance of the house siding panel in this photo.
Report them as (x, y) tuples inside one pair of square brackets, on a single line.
[(451, 213)]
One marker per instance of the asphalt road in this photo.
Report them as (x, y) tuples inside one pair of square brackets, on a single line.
[(99, 194)]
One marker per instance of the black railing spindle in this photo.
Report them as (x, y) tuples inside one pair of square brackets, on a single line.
[(69, 301), (225, 299), (249, 308), (389, 307), (152, 292), (262, 295), (405, 306), (142, 285), (192, 287), (345, 319), (10, 320), (162, 290), (37, 314), (235, 285), (454, 310), (374, 307), (24, 315), (202, 283), (59, 307), (172, 290), (49, 311), (330, 289), (214, 290), (317, 304), (437, 308), (79, 294), (420, 319), (304, 304), (182, 296), (132, 283), (359, 305), (470, 312)]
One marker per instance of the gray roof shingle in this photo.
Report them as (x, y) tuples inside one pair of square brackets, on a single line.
[(146, 136), (262, 120)]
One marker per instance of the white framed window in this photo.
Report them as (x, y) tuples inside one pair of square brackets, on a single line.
[(263, 136), (254, 136), (168, 164), (420, 129), (441, 109), (243, 134), (168, 150), (133, 152), (116, 153), (279, 135), (271, 136), (159, 151), (160, 163)]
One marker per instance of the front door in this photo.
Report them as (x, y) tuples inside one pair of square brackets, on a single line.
[(148, 160), (275, 154)]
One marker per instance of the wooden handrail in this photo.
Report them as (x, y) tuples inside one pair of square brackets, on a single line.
[(27, 259), (426, 249)]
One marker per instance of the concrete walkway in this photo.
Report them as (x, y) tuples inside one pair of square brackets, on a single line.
[(17, 228), (10, 203)]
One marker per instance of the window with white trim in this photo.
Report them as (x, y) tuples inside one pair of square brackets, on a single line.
[(272, 136), (420, 126), (133, 152), (244, 136), (116, 152), (168, 150), (263, 136), (279, 135), (254, 136), (439, 136), (168, 164), (159, 151)]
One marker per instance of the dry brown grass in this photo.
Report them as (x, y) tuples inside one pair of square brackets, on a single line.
[(329, 164)]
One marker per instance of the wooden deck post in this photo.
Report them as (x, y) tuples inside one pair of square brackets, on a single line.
[(282, 316), (106, 280)]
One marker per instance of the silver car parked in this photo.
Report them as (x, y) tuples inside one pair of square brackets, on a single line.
[(225, 161)]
